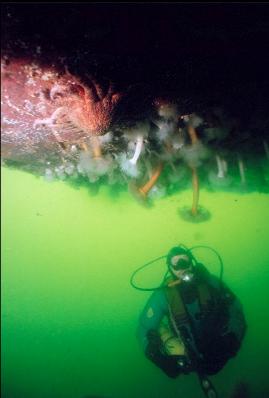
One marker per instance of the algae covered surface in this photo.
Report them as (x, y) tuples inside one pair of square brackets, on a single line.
[(69, 313)]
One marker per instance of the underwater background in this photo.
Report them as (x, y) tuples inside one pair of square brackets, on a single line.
[(69, 313)]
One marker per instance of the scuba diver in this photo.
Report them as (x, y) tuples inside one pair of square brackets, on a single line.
[(191, 323)]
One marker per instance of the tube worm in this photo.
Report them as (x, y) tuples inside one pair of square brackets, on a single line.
[(242, 170), (93, 146), (195, 191), (96, 147), (136, 135), (220, 178), (168, 111), (221, 167), (138, 149), (195, 179), (142, 192), (192, 133)]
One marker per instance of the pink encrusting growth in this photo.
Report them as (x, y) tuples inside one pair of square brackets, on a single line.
[(43, 106)]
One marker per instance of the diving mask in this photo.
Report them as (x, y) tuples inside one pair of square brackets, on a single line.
[(182, 268), (180, 262)]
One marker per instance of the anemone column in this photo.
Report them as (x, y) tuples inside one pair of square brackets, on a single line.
[(195, 178)]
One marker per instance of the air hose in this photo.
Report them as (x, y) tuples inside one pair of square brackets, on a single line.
[(166, 273)]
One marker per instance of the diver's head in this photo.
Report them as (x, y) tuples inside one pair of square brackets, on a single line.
[(180, 263)]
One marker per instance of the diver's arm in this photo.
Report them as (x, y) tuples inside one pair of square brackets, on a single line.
[(151, 316), (169, 364), (148, 335)]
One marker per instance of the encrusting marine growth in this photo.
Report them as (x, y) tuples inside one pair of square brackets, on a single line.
[(62, 126)]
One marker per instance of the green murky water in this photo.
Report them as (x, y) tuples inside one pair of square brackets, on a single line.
[(69, 314)]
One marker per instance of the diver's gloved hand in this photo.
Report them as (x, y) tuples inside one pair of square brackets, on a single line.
[(172, 365)]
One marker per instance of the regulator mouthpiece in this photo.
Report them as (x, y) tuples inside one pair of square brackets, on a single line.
[(187, 276)]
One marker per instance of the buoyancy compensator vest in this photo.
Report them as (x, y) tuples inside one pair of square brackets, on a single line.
[(208, 318)]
